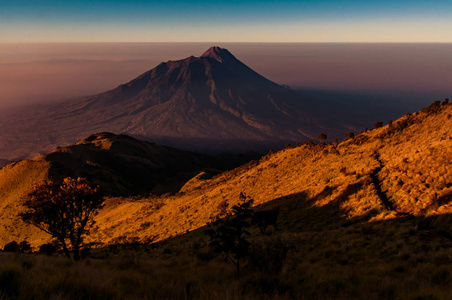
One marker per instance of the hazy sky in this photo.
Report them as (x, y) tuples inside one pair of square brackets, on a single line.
[(225, 21)]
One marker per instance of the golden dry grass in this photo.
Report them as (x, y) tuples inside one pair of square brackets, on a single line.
[(415, 175), (341, 241)]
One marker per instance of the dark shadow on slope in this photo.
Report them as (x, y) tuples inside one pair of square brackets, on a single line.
[(442, 200), (132, 167), (326, 235), (299, 212), (386, 202)]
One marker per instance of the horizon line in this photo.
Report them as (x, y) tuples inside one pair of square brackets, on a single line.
[(207, 42)]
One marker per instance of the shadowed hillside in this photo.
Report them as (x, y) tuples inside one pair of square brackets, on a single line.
[(122, 165)]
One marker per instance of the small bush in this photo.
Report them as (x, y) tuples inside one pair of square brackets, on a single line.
[(378, 125), (350, 135), (24, 247), (433, 108), (11, 247), (47, 249)]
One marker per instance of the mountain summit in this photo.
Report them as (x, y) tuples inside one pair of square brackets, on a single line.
[(209, 103), (219, 54)]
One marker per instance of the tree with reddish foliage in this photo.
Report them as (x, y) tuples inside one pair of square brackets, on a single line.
[(64, 210)]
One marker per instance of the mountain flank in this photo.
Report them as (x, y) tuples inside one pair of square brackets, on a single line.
[(212, 103)]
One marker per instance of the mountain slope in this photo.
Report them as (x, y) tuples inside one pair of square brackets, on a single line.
[(402, 169), (121, 164), (209, 103), (314, 184)]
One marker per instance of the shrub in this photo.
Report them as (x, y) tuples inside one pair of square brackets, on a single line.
[(223, 208), (350, 135), (24, 246), (47, 249), (228, 235), (433, 108), (265, 218), (11, 247)]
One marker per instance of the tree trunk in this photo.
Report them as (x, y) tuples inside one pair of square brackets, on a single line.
[(76, 245), (76, 252), (66, 250)]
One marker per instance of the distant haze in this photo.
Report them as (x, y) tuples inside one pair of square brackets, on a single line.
[(412, 74)]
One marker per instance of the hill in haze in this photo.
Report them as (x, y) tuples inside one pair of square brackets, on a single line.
[(211, 103)]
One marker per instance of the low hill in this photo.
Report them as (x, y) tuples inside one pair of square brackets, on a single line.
[(122, 165), (400, 170)]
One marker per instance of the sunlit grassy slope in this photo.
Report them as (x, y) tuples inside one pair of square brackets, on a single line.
[(398, 170), (409, 162), (120, 164)]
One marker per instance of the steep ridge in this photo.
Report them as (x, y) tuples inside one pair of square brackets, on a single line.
[(211, 103), (315, 186)]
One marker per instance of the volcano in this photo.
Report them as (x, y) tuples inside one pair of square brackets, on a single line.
[(211, 103)]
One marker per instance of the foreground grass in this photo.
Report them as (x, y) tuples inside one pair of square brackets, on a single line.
[(404, 258)]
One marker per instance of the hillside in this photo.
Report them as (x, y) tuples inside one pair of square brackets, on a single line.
[(409, 163), (121, 164), (211, 103), (398, 170)]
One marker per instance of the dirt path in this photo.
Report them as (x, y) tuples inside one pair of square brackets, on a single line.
[(387, 203)]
